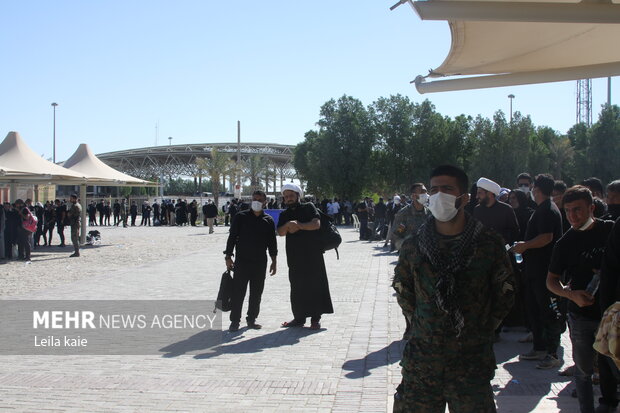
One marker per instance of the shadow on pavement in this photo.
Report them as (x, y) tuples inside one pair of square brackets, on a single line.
[(283, 337), (359, 368), (529, 381)]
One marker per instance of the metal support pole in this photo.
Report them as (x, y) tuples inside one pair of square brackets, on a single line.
[(83, 214)]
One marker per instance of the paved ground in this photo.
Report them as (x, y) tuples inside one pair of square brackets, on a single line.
[(350, 365)]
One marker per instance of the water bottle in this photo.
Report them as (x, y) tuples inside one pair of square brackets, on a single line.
[(518, 257), (592, 287)]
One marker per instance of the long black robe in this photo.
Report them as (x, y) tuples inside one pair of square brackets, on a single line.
[(307, 274)]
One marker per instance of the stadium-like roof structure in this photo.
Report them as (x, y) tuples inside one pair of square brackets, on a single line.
[(180, 160)]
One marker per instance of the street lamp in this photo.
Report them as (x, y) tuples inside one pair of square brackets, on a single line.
[(54, 104), (169, 140), (511, 97)]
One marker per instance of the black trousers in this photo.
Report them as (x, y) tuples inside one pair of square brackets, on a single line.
[(609, 380), (546, 323), (247, 272), (23, 243)]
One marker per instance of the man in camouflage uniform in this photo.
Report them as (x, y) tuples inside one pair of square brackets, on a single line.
[(75, 218), (454, 281), (409, 219)]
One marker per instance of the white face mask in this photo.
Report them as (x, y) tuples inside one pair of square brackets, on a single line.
[(396, 201), (257, 206), (442, 206), (586, 225), (525, 188), (423, 199)]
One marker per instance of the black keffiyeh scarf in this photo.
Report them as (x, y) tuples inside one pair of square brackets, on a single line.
[(448, 263)]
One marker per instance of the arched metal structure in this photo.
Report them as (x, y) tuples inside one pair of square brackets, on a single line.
[(180, 160)]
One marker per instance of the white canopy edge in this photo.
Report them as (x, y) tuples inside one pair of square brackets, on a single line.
[(513, 79), (585, 12)]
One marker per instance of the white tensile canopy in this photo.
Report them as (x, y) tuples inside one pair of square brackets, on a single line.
[(516, 43), (84, 161), (24, 165)]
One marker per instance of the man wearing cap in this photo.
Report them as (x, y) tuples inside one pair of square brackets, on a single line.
[(300, 223), (495, 214)]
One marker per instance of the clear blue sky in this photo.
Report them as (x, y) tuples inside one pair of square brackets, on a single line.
[(116, 68)]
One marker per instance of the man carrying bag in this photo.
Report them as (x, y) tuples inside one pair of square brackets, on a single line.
[(252, 233)]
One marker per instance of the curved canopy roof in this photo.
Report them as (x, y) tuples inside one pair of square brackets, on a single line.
[(23, 164), (513, 43), (84, 161)]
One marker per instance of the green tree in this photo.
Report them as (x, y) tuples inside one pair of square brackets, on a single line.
[(561, 155), (604, 148)]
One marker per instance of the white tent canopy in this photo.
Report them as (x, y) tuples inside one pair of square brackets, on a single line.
[(513, 43), (24, 165), (85, 162)]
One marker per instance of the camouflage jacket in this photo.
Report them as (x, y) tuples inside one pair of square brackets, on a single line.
[(406, 221), (484, 290)]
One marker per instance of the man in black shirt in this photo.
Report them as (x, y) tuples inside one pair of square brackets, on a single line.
[(573, 274), (210, 213), (362, 215), (61, 215), (543, 230), (252, 232), (494, 214), (116, 210), (613, 201), (310, 295)]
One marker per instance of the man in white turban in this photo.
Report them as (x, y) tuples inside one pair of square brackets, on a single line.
[(495, 214), (310, 295)]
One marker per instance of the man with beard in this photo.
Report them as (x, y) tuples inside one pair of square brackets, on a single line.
[(210, 213), (455, 282), (495, 214), (300, 223), (133, 211), (193, 212), (156, 216)]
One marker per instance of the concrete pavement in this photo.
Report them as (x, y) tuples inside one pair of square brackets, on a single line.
[(350, 365)]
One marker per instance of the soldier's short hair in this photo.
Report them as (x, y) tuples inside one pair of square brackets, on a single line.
[(524, 175), (576, 193), (455, 172), (594, 184), (259, 193), (544, 182), (559, 186), (614, 186), (414, 186)]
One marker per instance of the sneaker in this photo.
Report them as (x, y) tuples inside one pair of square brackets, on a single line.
[(605, 408), (549, 362), (533, 355), (233, 327), (527, 339)]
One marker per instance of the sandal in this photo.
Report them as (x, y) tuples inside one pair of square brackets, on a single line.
[(293, 323), (315, 325)]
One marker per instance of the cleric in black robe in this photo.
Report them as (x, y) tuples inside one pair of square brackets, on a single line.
[(307, 274)]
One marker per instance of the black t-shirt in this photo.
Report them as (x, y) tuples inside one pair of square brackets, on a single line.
[(546, 219), (362, 211), (576, 255), (61, 215)]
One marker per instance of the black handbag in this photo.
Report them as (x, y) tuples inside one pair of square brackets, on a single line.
[(224, 295)]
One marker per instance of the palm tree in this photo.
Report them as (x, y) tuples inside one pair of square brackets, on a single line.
[(215, 166), (253, 168), (561, 153)]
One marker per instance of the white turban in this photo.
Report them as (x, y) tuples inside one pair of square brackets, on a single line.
[(294, 188), (488, 185)]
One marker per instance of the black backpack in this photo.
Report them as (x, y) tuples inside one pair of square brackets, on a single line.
[(328, 234)]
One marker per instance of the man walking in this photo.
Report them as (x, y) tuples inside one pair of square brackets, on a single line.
[(307, 274), (412, 216), (251, 234), (455, 282), (210, 213), (75, 216)]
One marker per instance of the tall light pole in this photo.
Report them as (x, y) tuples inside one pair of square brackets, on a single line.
[(54, 104), (169, 140), (511, 97)]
